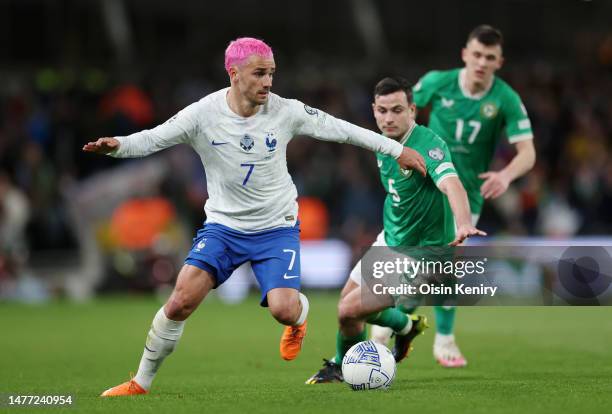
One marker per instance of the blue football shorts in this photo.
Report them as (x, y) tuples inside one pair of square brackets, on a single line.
[(274, 255)]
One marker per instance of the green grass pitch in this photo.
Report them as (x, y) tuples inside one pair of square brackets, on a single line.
[(526, 360)]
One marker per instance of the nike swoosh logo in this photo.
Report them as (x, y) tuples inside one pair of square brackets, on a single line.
[(219, 143), (289, 277)]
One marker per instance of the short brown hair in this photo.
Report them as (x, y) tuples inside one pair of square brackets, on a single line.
[(393, 84), (487, 35)]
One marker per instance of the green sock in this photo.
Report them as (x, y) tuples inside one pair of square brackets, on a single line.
[(391, 318), (445, 319), (343, 344)]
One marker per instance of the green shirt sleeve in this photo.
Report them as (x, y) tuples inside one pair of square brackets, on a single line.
[(425, 88), (438, 161), (517, 123)]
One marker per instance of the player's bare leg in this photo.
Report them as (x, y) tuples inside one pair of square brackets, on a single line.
[(192, 286), (289, 307)]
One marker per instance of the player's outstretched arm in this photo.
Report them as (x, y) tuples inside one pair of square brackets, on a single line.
[(457, 198), (319, 125), (179, 129), (102, 145), (496, 182)]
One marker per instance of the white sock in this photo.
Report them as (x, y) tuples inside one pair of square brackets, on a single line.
[(161, 341), (442, 339), (305, 307)]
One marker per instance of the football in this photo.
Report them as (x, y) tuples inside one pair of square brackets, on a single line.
[(368, 366)]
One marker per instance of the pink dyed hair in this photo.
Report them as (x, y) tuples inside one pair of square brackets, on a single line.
[(239, 50)]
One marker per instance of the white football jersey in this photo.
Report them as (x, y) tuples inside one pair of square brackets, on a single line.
[(248, 183)]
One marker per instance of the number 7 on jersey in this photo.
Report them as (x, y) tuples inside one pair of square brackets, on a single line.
[(251, 167)]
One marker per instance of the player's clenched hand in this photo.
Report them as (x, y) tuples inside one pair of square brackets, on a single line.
[(412, 160), (465, 231), (102, 145), (495, 184)]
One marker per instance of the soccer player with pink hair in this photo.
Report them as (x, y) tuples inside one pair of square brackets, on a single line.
[(241, 134)]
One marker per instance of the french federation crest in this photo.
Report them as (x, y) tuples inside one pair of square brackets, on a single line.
[(270, 142), (247, 142), (488, 110), (436, 154)]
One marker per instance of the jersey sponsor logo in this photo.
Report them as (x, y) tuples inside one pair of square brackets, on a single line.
[(247, 142), (270, 142), (309, 110), (406, 173), (447, 103), (489, 110), (289, 277), (436, 154), (215, 143)]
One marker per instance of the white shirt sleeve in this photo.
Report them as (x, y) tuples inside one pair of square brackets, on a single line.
[(181, 128), (322, 126)]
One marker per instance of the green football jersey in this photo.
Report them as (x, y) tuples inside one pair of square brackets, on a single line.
[(416, 212), (472, 125)]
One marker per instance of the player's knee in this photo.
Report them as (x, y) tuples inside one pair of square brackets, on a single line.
[(179, 307), (284, 306), (285, 315), (285, 311), (347, 312), (349, 286)]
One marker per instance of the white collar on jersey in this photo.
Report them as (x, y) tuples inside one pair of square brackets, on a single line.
[(403, 140), (466, 92)]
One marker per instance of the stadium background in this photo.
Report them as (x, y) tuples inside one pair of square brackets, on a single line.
[(75, 70)]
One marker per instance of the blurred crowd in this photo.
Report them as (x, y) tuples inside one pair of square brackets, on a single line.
[(46, 115)]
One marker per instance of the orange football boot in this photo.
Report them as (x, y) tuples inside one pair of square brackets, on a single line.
[(291, 341), (130, 387)]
